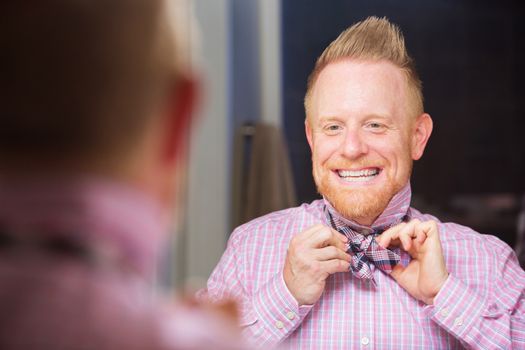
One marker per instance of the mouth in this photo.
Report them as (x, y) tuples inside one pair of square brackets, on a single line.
[(361, 175)]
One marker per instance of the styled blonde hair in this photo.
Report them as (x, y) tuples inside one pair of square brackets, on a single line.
[(374, 39)]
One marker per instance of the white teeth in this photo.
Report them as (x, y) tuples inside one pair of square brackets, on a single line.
[(358, 175), (349, 174)]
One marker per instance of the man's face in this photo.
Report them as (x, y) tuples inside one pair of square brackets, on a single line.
[(362, 139)]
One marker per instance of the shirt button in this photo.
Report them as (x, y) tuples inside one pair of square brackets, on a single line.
[(290, 315), (365, 341), (458, 322), (279, 325), (444, 312)]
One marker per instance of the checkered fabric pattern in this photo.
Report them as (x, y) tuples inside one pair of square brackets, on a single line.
[(364, 248), (480, 306)]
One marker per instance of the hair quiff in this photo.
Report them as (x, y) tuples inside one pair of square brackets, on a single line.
[(373, 39)]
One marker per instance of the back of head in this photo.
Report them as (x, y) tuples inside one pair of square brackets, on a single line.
[(373, 39), (81, 78)]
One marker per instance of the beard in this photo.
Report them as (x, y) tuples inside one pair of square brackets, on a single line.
[(362, 205)]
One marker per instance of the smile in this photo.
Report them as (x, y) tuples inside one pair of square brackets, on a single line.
[(362, 175)]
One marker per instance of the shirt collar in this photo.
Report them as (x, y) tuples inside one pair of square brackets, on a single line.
[(397, 209), (108, 215)]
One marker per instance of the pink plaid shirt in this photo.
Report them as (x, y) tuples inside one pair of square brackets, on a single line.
[(63, 298), (481, 305)]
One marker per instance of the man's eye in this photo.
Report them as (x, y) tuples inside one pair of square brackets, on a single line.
[(376, 126), (332, 129)]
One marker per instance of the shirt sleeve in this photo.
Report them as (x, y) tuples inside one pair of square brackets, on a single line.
[(268, 314), (493, 320)]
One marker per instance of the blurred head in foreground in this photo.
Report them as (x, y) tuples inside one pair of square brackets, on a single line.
[(100, 87), (95, 104)]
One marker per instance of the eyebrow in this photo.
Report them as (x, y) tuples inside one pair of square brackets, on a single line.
[(329, 119), (339, 119), (379, 116)]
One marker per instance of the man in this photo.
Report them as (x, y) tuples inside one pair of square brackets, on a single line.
[(95, 104), (438, 286)]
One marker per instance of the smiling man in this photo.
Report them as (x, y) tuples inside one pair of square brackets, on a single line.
[(361, 268), (364, 130)]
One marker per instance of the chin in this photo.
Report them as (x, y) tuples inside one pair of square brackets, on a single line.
[(358, 204)]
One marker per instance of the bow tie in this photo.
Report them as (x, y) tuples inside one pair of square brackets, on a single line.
[(365, 250)]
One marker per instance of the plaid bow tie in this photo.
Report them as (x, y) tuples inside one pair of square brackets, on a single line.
[(365, 249)]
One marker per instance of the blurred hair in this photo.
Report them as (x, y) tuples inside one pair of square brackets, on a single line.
[(83, 77), (373, 39)]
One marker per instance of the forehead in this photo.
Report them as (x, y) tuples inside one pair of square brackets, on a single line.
[(360, 88)]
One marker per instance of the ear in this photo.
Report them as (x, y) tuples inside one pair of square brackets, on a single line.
[(421, 133), (181, 103), (308, 131)]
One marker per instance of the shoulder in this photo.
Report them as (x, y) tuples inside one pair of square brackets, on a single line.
[(456, 236), (280, 224)]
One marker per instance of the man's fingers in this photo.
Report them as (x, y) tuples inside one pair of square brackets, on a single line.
[(331, 252), (420, 237), (325, 237), (308, 237), (401, 233), (385, 239), (335, 265), (429, 228), (407, 234), (310, 232)]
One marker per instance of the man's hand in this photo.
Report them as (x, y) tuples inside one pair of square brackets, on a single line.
[(426, 273), (313, 255)]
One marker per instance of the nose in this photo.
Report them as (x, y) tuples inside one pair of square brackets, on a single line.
[(353, 145)]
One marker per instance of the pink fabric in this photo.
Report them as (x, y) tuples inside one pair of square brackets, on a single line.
[(61, 301), (481, 305)]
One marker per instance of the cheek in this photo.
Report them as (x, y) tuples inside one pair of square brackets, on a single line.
[(402, 159), (394, 151), (324, 148)]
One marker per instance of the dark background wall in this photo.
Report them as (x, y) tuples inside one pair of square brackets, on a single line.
[(470, 55)]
